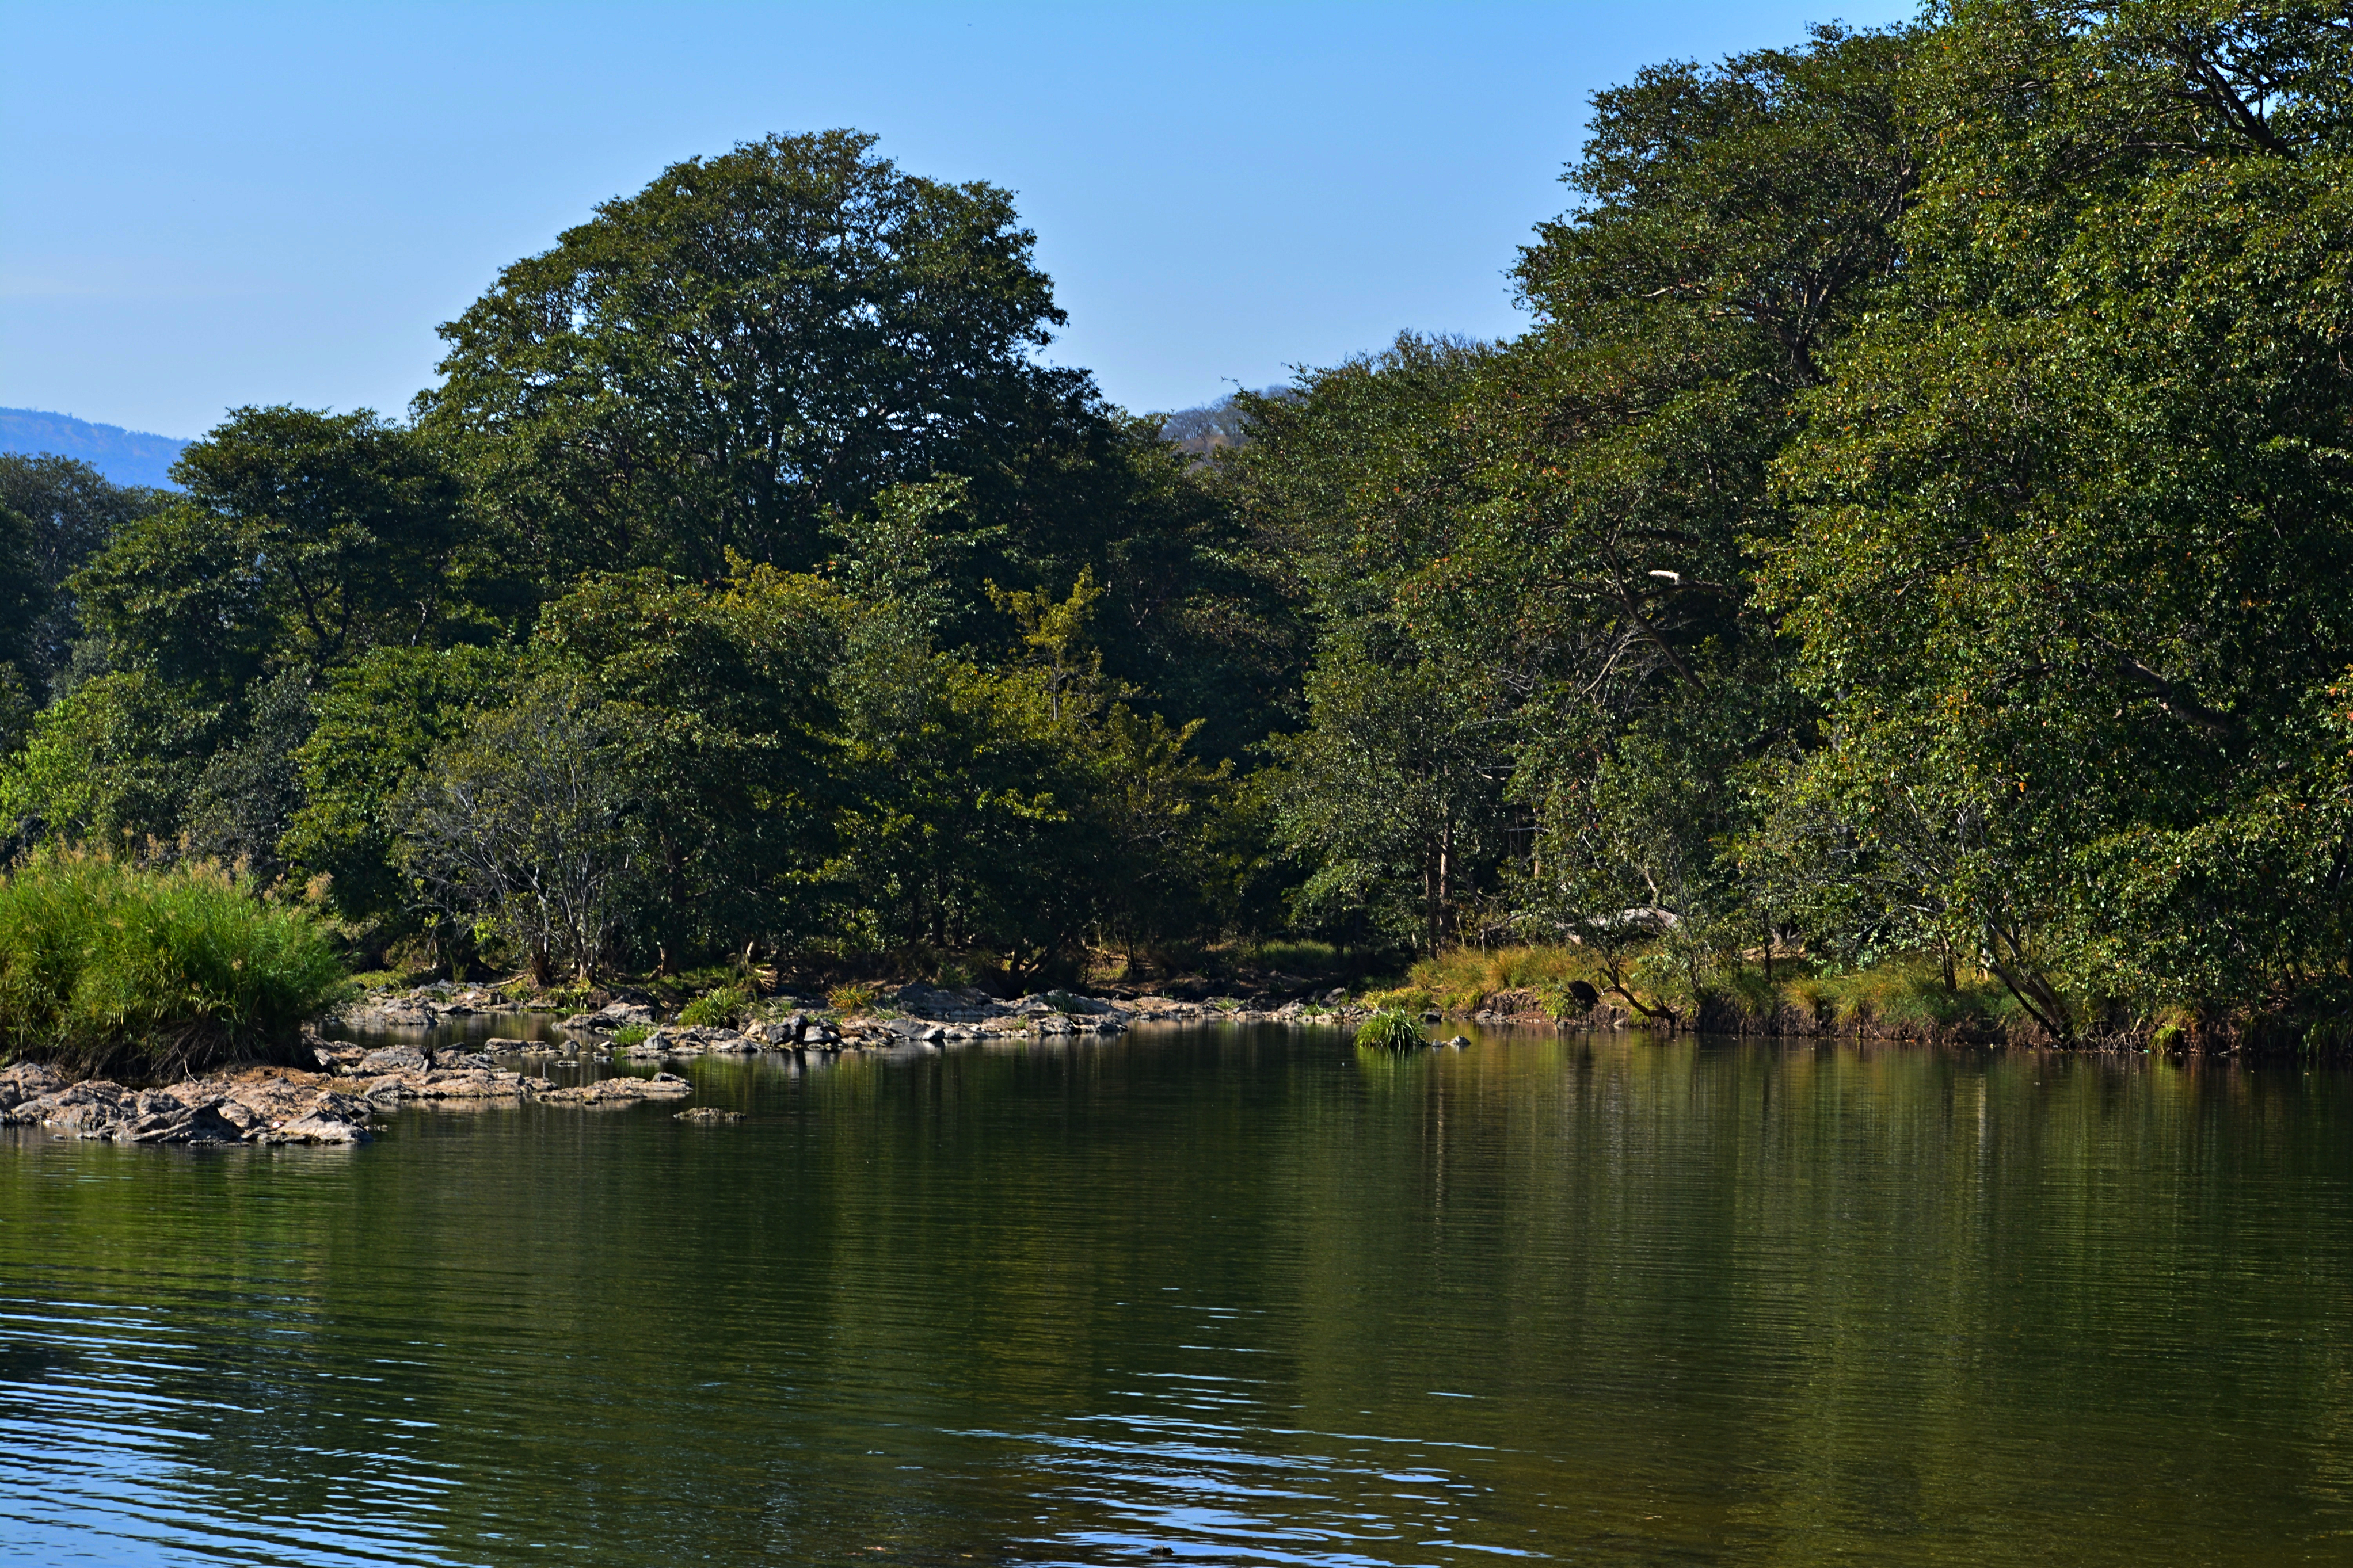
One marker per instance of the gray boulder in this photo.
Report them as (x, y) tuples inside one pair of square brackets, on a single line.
[(204, 1124)]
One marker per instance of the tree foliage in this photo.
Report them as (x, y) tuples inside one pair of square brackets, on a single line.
[(752, 340), (1913, 527)]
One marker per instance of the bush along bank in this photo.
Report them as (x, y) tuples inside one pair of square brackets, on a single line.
[(1901, 997), (109, 967)]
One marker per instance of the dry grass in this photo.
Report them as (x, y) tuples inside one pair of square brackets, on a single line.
[(1464, 979), (1902, 996)]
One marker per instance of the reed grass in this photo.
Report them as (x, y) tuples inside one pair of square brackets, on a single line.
[(109, 967), (1392, 1030), (724, 1007), (1465, 979)]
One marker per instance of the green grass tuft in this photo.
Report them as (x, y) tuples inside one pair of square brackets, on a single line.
[(109, 966), (723, 1008), (1391, 1028)]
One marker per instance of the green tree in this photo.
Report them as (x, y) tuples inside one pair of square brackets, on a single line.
[(729, 758), (750, 344), (23, 598), (376, 725), (1353, 488), (115, 759), (72, 511), (251, 790), (523, 835), (305, 538), (2071, 541), (23, 595)]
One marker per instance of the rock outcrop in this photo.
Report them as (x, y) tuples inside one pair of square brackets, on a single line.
[(621, 1090), (252, 1106), (283, 1105)]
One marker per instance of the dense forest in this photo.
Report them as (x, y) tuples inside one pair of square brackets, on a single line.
[(1914, 529)]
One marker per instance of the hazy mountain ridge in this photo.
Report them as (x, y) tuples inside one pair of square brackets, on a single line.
[(124, 457), (1203, 430)]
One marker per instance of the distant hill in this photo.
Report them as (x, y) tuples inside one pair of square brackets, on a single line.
[(125, 456), (1203, 430)]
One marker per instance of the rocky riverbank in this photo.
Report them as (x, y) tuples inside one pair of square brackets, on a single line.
[(289, 1105), (911, 1015)]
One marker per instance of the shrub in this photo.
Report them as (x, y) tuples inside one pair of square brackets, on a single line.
[(109, 966), (856, 996), (1391, 1028), (1463, 979), (720, 1009), (629, 1035)]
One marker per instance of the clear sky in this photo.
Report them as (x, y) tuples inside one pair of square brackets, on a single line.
[(202, 205)]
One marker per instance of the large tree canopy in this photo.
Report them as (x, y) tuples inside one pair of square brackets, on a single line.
[(1915, 526), (71, 510), (749, 342), (2075, 519), (305, 537), (1543, 552)]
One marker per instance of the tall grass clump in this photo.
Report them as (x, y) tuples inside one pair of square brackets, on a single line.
[(109, 967), (1464, 979), (1391, 1029), (855, 996), (1906, 996), (723, 1008)]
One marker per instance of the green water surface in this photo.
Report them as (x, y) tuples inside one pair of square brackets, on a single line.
[(1247, 1297)]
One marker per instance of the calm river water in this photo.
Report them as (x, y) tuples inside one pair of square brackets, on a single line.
[(1249, 1297)]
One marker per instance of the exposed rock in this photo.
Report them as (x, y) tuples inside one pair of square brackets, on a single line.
[(319, 1130), (201, 1124), (392, 1013), (331, 1118), (26, 1080), (658, 1044), (940, 1006), (480, 1060), (456, 1083), (621, 1090), (1071, 1002), (281, 1105), (691, 1042), (710, 1113), (392, 1058), (90, 1110)]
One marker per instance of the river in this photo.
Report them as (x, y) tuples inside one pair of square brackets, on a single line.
[(1237, 1296)]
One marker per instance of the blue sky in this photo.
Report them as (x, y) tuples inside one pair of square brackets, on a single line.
[(202, 205)]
